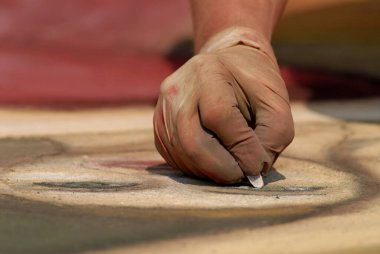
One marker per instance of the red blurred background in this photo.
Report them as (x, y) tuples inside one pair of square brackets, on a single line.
[(91, 52)]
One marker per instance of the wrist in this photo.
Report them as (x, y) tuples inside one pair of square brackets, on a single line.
[(239, 36)]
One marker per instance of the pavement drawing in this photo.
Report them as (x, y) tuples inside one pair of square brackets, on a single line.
[(90, 180)]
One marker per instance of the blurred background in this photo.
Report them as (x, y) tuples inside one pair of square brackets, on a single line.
[(94, 52)]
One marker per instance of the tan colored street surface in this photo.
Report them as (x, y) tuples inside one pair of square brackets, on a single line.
[(92, 181)]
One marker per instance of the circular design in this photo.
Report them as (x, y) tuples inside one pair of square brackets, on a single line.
[(141, 180)]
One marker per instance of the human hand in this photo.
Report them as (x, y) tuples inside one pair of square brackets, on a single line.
[(224, 115)]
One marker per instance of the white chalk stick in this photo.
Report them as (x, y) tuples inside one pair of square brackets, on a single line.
[(256, 181)]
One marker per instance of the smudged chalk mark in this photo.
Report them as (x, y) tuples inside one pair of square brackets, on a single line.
[(268, 190), (91, 186)]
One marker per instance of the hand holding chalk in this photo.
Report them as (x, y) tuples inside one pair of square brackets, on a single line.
[(225, 114)]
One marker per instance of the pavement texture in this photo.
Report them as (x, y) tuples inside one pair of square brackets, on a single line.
[(90, 180)]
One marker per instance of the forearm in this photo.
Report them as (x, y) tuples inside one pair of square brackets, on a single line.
[(213, 16)]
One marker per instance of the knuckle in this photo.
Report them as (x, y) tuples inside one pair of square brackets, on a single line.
[(215, 116), (281, 130), (290, 133), (285, 122), (165, 86), (169, 86), (284, 132)]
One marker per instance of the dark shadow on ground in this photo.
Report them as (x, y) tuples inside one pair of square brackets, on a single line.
[(176, 175)]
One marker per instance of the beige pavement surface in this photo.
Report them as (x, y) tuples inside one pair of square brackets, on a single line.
[(91, 167)]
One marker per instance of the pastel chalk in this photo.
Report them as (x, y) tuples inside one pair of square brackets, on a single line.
[(256, 181)]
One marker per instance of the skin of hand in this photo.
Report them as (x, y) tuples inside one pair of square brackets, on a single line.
[(225, 113)]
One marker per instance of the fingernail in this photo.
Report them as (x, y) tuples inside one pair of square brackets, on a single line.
[(256, 181)]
